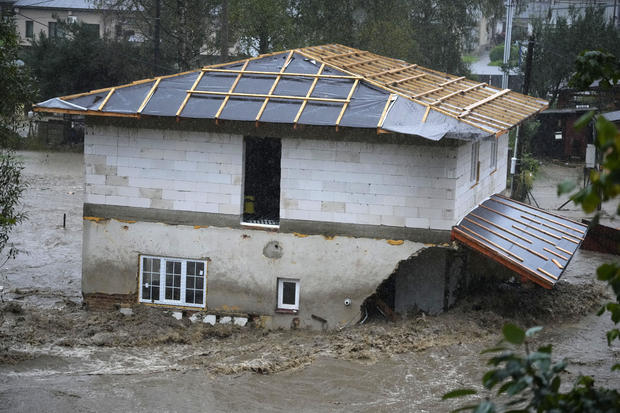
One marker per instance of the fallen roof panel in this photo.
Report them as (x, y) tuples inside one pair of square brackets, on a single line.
[(534, 243)]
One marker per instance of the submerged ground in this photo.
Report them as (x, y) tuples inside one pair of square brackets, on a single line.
[(56, 357)]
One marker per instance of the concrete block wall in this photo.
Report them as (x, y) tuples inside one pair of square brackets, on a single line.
[(369, 183), (176, 170), (491, 181)]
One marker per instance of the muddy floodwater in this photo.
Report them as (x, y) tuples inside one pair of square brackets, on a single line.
[(56, 357)]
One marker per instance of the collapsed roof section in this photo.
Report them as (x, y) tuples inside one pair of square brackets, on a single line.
[(534, 243), (329, 85)]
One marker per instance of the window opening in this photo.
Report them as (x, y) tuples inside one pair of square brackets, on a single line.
[(288, 294), (475, 165), (494, 148), (29, 29), (173, 281), (261, 192)]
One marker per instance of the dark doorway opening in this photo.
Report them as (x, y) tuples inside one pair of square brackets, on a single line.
[(261, 193)]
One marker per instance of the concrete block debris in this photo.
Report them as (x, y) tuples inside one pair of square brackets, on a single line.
[(126, 311), (240, 321), (194, 317), (209, 319), (177, 314), (225, 320)]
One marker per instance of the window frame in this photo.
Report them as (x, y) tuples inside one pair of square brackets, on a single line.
[(474, 172), (162, 282), (29, 29), (494, 153), (288, 307)]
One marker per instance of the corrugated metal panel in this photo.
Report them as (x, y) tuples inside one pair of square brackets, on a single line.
[(534, 243)]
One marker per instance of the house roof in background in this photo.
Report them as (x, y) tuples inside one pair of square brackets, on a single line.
[(330, 85), (534, 243), (57, 4)]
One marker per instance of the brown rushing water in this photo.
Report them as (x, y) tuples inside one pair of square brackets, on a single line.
[(55, 357)]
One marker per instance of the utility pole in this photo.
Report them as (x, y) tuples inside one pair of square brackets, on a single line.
[(156, 36), (507, 40), (518, 149)]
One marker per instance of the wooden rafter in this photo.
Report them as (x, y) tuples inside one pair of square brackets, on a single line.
[(391, 71), (264, 95), (274, 85), (149, 95), (188, 95), (232, 89), (361, 62), (108, 96), (259, 72), (310, 90), (346, 104)]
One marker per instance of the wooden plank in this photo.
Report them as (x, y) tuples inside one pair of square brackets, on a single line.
[(534, 235), (288, 74), (483, 101), (390, 99), (548, 274), (426, 112), (346, 104), (522, 223), (556, 254), (149, 95), (274, 85), (310, 90), (428, 92), (557, 263), (108, 96), (361, 62), (451, 81), (337, 56), (391, 71), (186, 99), (232, 88), (264, 95), (406, 79)]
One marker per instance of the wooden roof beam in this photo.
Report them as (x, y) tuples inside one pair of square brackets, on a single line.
[(361, 62), (336, 56), (392, 71), (483, 101)]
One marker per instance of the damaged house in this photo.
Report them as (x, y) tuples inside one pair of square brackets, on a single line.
[(290, 185)]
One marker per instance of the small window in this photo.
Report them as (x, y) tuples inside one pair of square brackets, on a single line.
[(493, 163), (92, 29), (261, 192), (29, 29), (54, 30), (173, 281), (288, 294), (474, 173)]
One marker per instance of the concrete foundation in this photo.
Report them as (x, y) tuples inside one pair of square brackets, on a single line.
[(241, 278), (429, 281)]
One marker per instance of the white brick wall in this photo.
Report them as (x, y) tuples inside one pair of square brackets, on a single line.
[(363, 183), (180, 170), (491, 182)]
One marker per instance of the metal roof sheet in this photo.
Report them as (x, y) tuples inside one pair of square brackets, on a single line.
[(330, 85), (534, 243)]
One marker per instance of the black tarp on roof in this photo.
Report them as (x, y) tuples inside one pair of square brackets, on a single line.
[(332, 98)]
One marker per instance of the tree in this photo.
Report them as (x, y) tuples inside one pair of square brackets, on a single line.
[(11, 189), (175, 31), (82, 61), (558, 45), (17, 89)]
